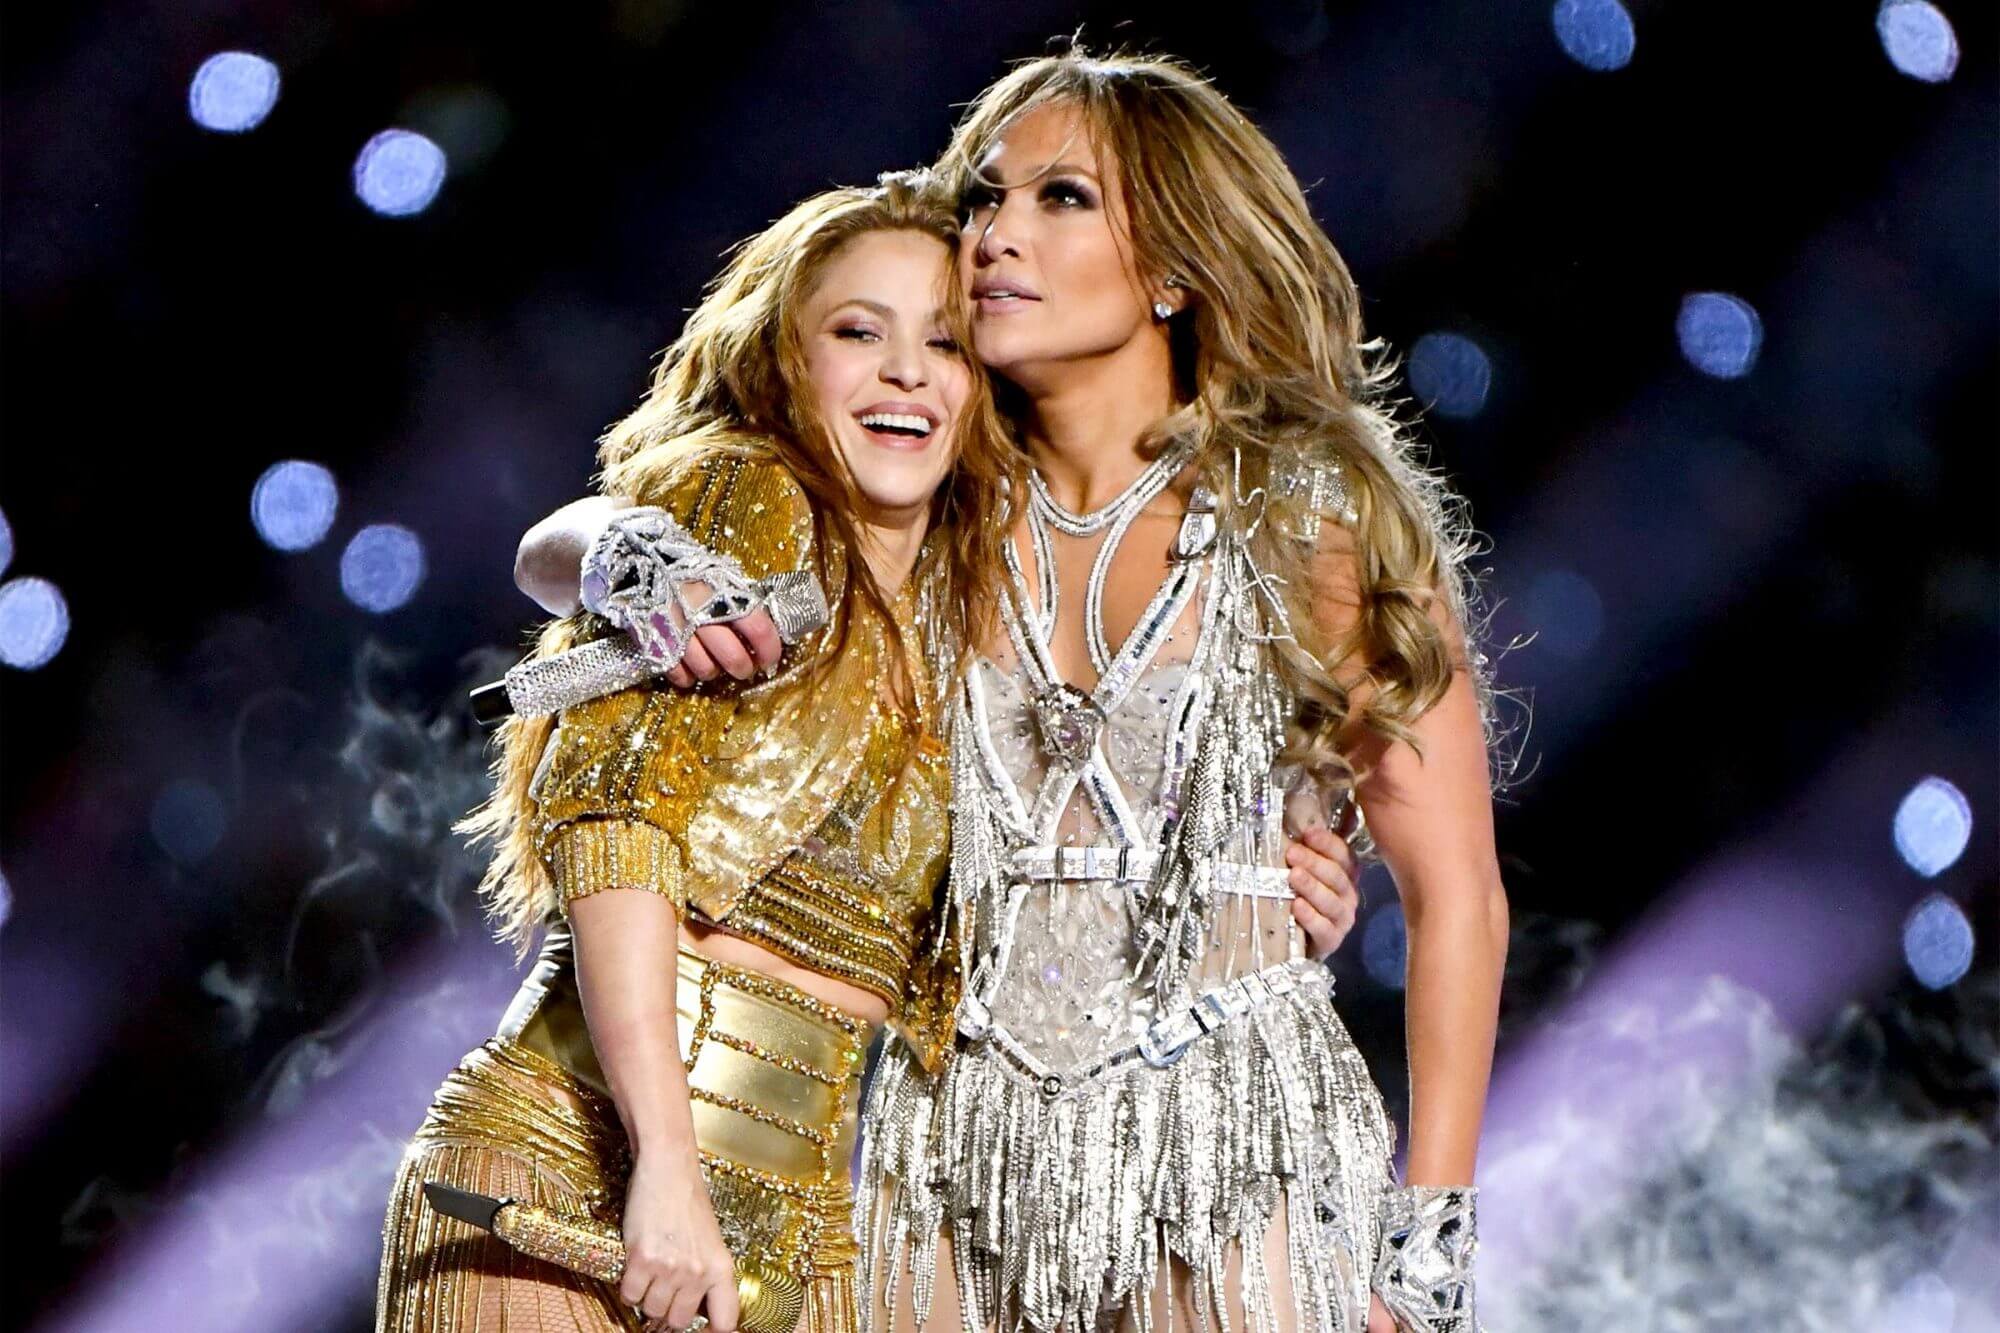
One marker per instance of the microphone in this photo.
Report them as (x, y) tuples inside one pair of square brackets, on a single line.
[(771, 1299), (550, 684)]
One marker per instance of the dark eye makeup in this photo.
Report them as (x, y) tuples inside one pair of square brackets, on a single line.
[(1065, 194)]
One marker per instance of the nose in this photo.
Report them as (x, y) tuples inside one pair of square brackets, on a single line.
[(903, 363), (996, 232)]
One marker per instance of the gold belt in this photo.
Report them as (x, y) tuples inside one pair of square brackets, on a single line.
[(775, 1074)]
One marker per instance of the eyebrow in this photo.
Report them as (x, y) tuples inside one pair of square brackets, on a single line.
[(1052, 169), (873, 307), (939, 315)]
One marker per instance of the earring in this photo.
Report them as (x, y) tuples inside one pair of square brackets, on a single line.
[(1162, 311)]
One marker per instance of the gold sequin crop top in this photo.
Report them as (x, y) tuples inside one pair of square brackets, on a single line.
[(803, 813)]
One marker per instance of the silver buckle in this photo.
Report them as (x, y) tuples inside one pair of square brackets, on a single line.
[(1165, 1042)]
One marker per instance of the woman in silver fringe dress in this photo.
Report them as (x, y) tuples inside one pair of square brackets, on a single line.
[(1251, 599)]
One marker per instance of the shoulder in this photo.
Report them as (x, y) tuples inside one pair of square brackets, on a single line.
[(737, 498), (1359, 616)]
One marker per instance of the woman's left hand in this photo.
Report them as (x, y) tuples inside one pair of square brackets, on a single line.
[(1322, 874)]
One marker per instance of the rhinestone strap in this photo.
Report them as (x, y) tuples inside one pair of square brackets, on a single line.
[(1084, 863), (1164, 1041)]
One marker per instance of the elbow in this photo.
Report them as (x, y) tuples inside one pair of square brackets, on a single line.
[(1471, 911), (540, 572)]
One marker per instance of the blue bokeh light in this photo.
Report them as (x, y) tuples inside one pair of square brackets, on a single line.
[(1596, 34), (1720, 334), (1918, 39), (381, 567), (398, 173), (6, 898), (1937, 941), (34, 621), (1450, 372), (293, 504), (1933, 824), (188, 820), (1385, 945), (6, 543), (233, 91), (1565, 613)]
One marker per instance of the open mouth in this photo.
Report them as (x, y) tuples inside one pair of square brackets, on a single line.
[(897, 427)]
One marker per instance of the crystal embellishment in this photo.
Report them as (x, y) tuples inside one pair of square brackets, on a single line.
[(1070, 722)]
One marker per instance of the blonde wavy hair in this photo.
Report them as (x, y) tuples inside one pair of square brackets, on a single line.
[(1275, 376), (736, 381)]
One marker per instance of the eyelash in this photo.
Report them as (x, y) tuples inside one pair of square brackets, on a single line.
[(852, 333), (1074, 196), (1060, 193)]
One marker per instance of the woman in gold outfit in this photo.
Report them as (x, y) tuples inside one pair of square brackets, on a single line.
[(760, 858)]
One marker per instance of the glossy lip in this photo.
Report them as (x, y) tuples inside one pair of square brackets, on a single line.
[(902, 408), (983, 289)]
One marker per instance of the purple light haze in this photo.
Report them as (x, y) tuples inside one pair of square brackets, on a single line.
[(281, 1230), (1660, 1039)]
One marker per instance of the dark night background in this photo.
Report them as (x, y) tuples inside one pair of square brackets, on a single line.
[(1753, 612)]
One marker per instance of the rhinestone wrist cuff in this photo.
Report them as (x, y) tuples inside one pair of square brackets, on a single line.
[(1424, 1271), (633, 576)]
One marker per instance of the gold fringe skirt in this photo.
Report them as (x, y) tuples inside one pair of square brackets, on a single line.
[(775, 1078)]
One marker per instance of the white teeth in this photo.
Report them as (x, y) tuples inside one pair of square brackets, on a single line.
[(897, 421)]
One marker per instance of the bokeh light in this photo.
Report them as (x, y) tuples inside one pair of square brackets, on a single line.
[(1564, 612), (1451, 373), (6, 543), (1596, 34), (1932, 827), (1720, 334), (1937, 941), (188, 820), (1385, 945), (1918, 39), (381, 567), (34, 621), (6, 898), (293, 504), (233, 92), (398, 173)]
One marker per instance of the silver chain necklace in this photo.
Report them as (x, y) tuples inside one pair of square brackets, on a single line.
[(1135, 496)]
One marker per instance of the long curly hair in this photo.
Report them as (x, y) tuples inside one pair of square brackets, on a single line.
[(736, 380), (1274, 376)]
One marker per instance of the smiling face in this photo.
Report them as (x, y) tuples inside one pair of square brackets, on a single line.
[(1048, 252), (888, 378)]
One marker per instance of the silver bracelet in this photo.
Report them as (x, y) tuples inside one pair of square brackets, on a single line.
[(632, 576), (635, 575), (1424, 1270)]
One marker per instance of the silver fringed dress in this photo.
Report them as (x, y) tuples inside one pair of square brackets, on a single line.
[(1149, 1073)]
